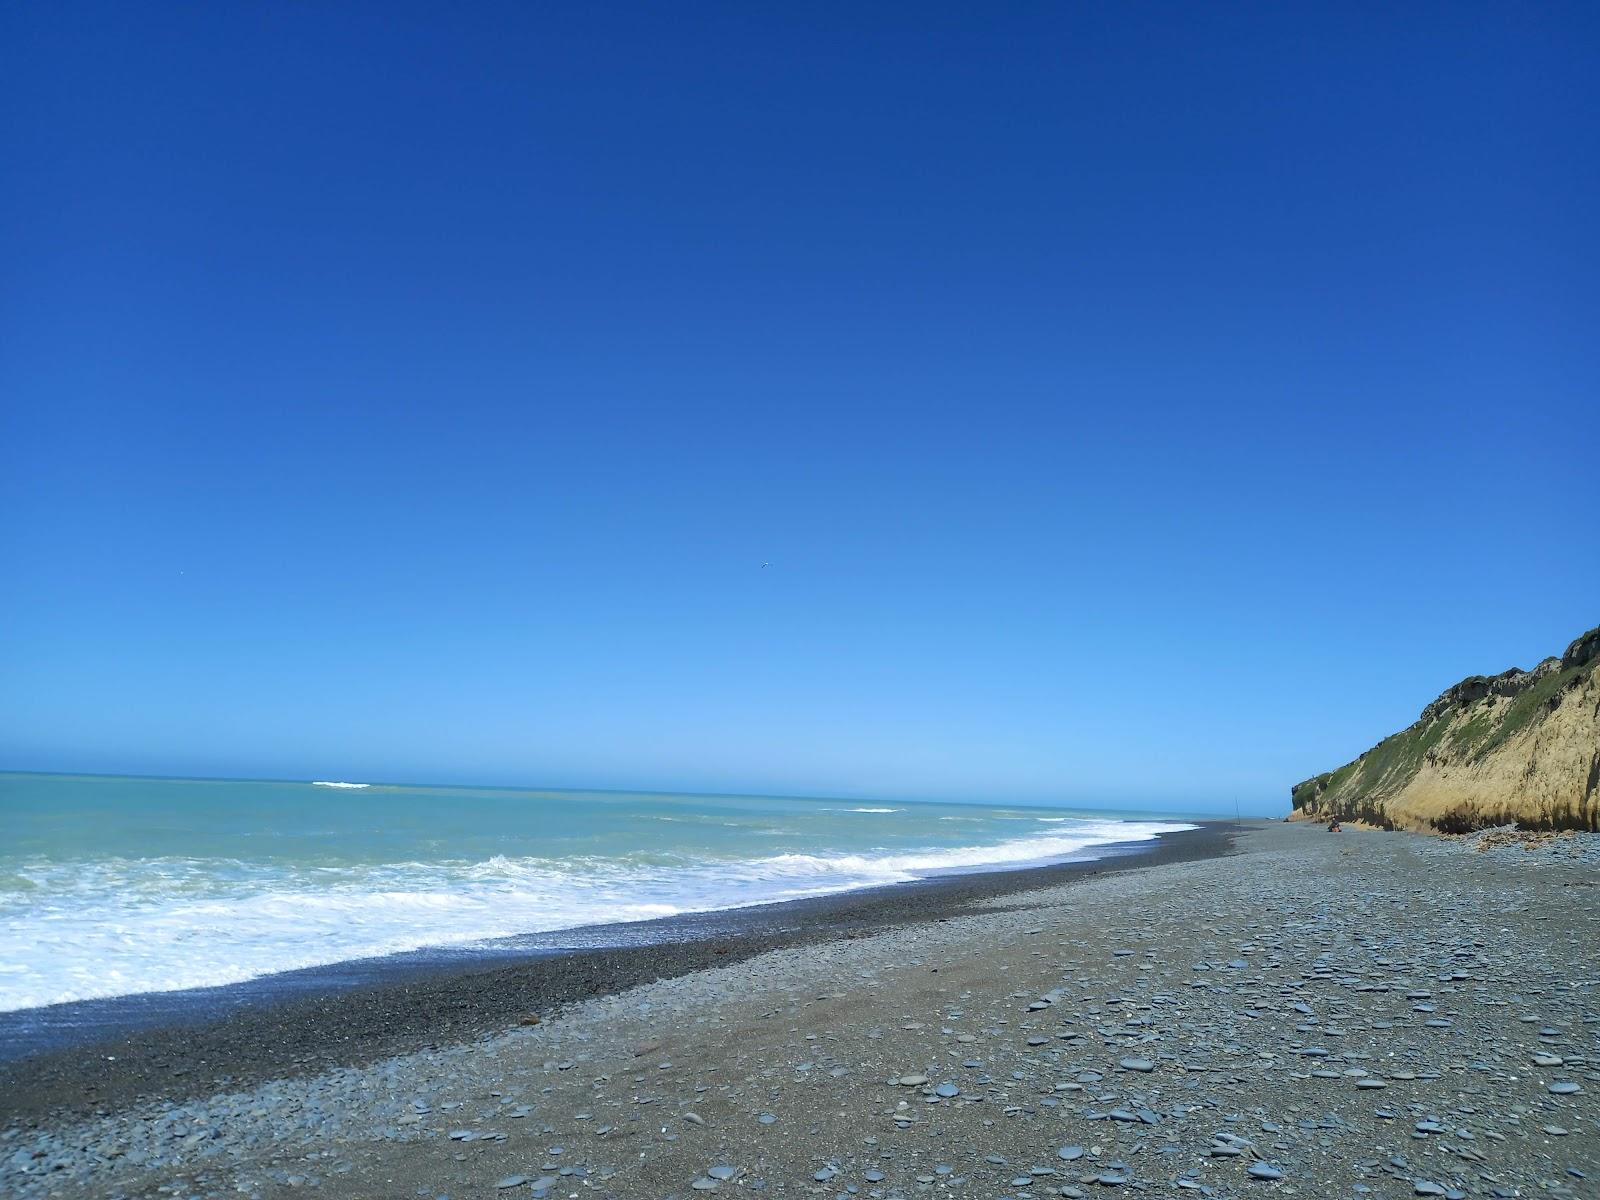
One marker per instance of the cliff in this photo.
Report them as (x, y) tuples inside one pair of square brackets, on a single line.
[(1521, 746)]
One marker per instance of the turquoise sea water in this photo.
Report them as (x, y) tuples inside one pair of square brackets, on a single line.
[(112, 886)]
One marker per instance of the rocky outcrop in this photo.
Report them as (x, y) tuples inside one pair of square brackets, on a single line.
[(1475, 687), (1519, 747)]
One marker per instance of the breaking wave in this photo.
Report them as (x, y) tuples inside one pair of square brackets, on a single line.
[(72, 930)]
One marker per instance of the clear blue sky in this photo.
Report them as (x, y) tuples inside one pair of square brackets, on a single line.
[(1136, 403)]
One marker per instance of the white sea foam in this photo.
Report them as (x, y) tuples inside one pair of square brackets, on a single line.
[(865, 810), (338, 784), (77, 930)]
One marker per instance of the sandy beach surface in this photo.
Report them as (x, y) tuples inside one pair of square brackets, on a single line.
[(1362, 1014)]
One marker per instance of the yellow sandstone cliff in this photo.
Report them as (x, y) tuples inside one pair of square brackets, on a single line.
[(1520, 747)]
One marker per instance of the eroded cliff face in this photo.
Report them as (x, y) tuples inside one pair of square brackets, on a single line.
[(1521, 746)]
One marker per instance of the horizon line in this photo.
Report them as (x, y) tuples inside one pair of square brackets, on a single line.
[(612, 791)]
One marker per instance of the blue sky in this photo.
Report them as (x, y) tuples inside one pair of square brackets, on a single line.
[(1138, 404)]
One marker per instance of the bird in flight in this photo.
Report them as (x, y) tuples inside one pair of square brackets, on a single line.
[(765, 565)]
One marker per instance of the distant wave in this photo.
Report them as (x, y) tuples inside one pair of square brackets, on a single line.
[(870, 810), (332, 783), (890, 867)]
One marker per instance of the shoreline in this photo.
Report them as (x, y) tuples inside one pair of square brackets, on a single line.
[(169, 1046), (1307, 1015)]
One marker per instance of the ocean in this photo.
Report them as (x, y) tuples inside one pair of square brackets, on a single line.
[(117, 886)]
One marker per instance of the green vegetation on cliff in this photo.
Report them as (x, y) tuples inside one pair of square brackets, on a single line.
[(1521, 746)]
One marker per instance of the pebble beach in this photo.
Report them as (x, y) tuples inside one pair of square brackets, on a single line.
[(1292, 1012)]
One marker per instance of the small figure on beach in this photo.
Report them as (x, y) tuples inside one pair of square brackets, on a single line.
[(1334, 826)]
